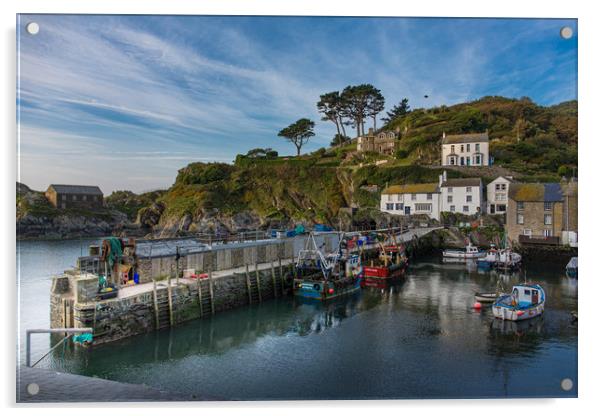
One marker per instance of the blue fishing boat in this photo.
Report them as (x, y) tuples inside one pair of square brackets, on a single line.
[(323, 277), (524, 302)]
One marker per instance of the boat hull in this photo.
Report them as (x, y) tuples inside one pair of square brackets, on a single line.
[(486, 297), (381, 277), (452, 254), (311, 289), (510, 313)]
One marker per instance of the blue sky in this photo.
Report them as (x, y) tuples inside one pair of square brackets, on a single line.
[(126, 101)]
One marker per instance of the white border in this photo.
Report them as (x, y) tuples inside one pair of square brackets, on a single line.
[(589, 172)]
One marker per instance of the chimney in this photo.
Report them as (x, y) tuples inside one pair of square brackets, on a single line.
[(444, 135), (370, 131)]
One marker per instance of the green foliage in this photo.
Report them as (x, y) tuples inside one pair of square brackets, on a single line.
[(298, 133), (130, 203), (203, 173)]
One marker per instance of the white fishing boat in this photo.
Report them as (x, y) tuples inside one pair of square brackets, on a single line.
[(502, 258), (526, 301), (470, 252), (571, 267)]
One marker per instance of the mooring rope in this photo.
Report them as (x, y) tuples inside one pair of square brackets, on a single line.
[(62, 341)]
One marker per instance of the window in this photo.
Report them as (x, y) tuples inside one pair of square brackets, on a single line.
[(462, 149), (547, 206), (477, 160), (547, 232), (477, 147), (429, 196), (468, 147), (520, 205), (500, 197), (468, 189), (527, 292), (398, 207), (452, 208), (64, 197), (413, 197), (527, 231), (520, 219), (465, 208), (74, 197), (400, 197), (450, 198), (63, 205), (84, 197), (452, 160), (450, 190), (423, 207), (468, 198), (389, 207), (468, 161), (503, 186), (501, 208), (389, 197), (498, 187), (547, 219), (453, 148)]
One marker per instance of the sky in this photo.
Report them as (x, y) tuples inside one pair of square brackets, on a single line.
[(123, 102)]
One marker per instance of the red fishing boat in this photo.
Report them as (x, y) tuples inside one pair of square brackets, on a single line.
[(389, 267)]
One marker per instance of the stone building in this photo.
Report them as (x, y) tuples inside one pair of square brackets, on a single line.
[(497, 194), (463, 195), (535, 213), (384, 142), (471, 149), (411, 199), (74, 196)]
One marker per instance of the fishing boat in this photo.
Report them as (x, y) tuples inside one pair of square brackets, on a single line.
[(470, 252), (500, 258), (324, 277), (526, 301), (571, 268), (389, 267)]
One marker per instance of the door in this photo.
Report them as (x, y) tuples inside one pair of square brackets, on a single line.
[(492, 208), (407, 210), (535, 297)]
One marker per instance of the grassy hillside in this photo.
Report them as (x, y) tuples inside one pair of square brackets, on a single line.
[(525, 137)]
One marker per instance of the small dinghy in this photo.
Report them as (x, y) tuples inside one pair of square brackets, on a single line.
[(484, 297), (526, 301)]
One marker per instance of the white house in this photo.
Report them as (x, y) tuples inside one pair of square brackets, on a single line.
[(411, 199), (464, 195), (465, 149), (497, 194)]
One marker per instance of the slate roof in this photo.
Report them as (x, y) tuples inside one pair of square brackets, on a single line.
[(536, 192), (76, 189), (461, 182), (417, 188), (466, 138)]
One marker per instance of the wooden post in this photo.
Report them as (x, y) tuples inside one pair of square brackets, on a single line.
[(258, 282), (248, 282), (155, 304), (211, 291), (281, 275), (274, 279), (169, 300), (198, 283), (94, 322)]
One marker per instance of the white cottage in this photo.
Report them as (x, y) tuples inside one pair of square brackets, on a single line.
[(497, 194), (464, 195), (465, 149), (411, 199)]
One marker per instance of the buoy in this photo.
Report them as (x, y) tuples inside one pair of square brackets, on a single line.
[(331, 291), (519, 313), (477, 305)]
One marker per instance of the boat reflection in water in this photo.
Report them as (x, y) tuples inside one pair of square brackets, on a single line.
[(519, 328)]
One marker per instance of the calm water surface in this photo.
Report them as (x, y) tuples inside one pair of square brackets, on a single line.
[(420, 339)]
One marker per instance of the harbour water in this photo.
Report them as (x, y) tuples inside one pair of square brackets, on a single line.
[(421, 339)]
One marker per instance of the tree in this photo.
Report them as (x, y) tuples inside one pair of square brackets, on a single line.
[(338, 139), (298, 133), (331, 105), (399, 110), (376, 104), (355, 105)]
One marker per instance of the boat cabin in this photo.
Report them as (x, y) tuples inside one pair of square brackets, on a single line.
[(527, 295)]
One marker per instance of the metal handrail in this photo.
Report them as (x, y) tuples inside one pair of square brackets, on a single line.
[(28, 333)]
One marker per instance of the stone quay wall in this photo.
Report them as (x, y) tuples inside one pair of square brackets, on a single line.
[(122, 317)]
